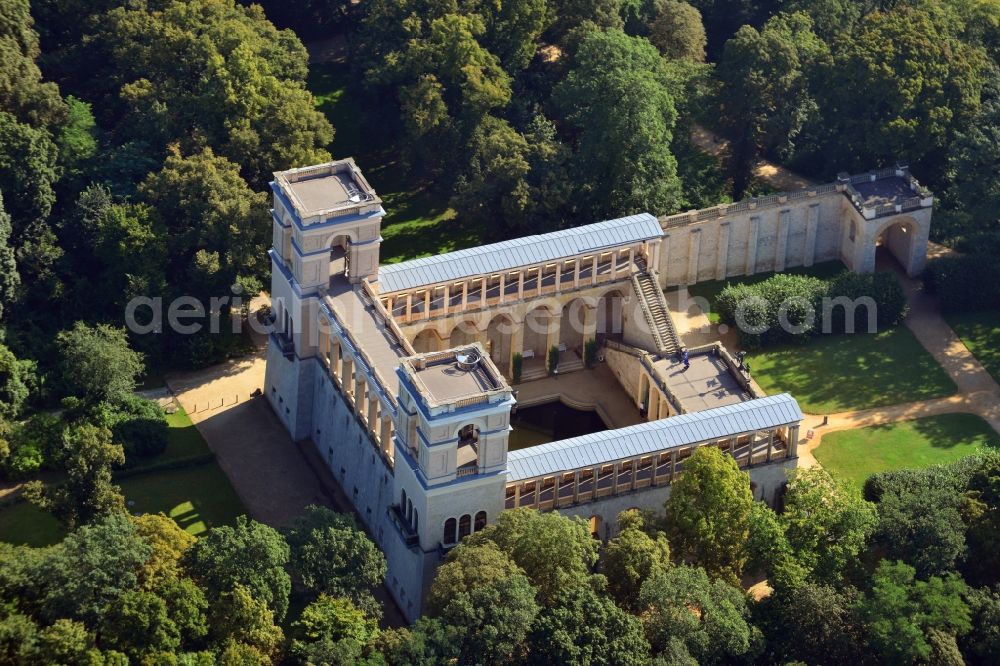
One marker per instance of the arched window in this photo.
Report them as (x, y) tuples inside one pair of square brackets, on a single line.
[(449, 531), (416, 521), (468, 434), (402, 501), (480, 521), (464, 526), (409, 510)]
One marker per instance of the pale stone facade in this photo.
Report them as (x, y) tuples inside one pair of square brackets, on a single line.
[(399, 375)]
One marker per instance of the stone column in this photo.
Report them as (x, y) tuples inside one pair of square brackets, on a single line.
[(751, 265), (427, 303), (781, 251), (770, 444), (694, 249), (347, 377), (673, 464), (359, 393), (812, 222), (335, 359), (520, 284), (614, 481), (465, 295), (385, 434), (593, 271), (482, 292), (559, 265), (373, 407), (503, 287), (722, 256), (447, 299), (555, 491), (409, 305)]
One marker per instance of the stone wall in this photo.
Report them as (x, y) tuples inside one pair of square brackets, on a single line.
[(720, 242), (767, 479)]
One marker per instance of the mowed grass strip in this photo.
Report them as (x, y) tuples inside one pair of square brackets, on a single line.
[(837, 373), (854, 455)]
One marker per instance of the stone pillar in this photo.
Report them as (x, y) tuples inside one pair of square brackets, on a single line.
[(427, 303), (781, 251), (751, 265), (812, 223), (385, 434), (694, 249), (793, 441), (517, 494), (516, 345), (503, 286), (673, 464), (520, 284), (347, 378), (593, 271), (409, 306), (465, 295), (576, 272), (614, 481), (482, 292), (770, 444), (373, 407), (359, 393), (447, 299), (553, 324), (335, 359), (722, 256), (555, 491)]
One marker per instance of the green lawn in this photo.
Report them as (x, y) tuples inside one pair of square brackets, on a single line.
[(836, 373), (196, 497), (418, 221), (854, 455), (980, 331), (709, 290)]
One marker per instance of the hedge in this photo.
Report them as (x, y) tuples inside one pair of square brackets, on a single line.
[(964, 283), (809, 305)]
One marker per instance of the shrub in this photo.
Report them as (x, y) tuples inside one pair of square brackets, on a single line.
[(32, 445), (136, 423), (963, 283), (553, 360), (590, 352), (883, 288), (516, 364)]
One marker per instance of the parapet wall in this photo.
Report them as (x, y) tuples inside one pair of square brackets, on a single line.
[(761, 235)]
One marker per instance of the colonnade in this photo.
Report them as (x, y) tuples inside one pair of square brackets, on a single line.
[(481, 291), (618, 477), (367, 395)]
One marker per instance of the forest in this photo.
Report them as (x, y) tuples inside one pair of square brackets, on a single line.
[(137, 139)]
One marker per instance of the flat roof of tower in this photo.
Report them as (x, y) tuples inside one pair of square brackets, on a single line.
[(884, 191), (518, 252), (645, 438), (454, 374), (325, 187)]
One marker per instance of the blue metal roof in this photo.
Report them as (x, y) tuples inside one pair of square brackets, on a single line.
[(524, 251), (646, 438)]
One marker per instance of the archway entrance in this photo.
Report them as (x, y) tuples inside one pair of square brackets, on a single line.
[(498, 335), (340, 256), (610, 320), (571, 327), (464, 334), (426, 340), (895, 244)]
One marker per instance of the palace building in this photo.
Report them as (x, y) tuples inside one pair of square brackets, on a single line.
[(414, 381)]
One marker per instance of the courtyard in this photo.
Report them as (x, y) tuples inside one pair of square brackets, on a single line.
[(852, 456)]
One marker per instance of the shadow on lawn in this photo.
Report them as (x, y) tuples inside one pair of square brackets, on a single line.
[(842, 372), (951, 430)]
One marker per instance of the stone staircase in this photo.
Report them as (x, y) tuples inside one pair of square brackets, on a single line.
[(654, 307)]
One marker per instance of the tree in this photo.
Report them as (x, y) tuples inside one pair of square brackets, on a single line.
[(330, 627), (22, 91), (16, 379), (553, 550), (96, 362), (618, 94), (983, 519), (708, 513), (678, 32), (826, 525), (493, 620), (631, 558), (206, 206), (88, 490), (91, 568), (901, 612), (249, 555), (168, 543), (513, 28), (240, 618), (898, 89), (138, 623), (468, 567), (583, 626), (689, 614), (331, 555), (28, 172), (10, 280), (982, 643), (208, 73), (765, 94), (829, 617), (514, 181), (921, 524)]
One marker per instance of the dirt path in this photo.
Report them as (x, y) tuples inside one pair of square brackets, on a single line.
[(774, 175)]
